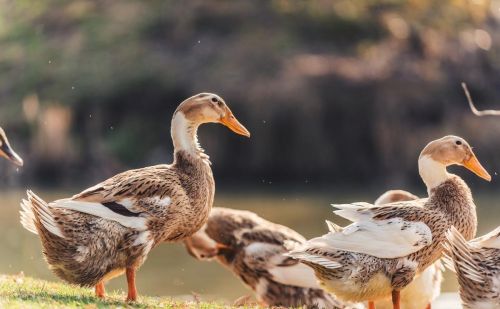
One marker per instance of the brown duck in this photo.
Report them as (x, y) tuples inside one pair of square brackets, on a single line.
[(381, 252), (6, 150), (110, 228), (252, 248)]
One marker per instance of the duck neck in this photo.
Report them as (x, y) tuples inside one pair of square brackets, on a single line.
[(454, 199), (433, 173), (184, 135)]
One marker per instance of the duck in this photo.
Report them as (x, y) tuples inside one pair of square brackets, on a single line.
[(476, 264), (424, 288), (6, 150), (393, 196), (252, 248), (386, 246), (109, 229)]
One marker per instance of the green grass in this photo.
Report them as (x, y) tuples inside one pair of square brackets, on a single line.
[(23, 292)]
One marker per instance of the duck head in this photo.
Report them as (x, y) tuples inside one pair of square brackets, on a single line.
[(196, 110), (446, 151), (7, 152), (202, 247), (210, 108)]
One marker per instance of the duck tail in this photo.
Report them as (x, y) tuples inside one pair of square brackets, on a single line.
[(333, 228), (37, 217), (27, 217), (458, 256)]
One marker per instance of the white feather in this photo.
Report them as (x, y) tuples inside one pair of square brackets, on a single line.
[(144, 239), (259, 249), (36, 207), (27, 217), (82, 254), (332, 227), (296, 275), (390, 238), (127, 203), (261, 288), (353, 212), (458, 250), (448, 262), (315, 259), (490, 240), (433, 173), (163, 202), (182, 133), (99, 210), (291, 245)]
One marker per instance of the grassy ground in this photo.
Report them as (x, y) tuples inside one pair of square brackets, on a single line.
[(23, 292)]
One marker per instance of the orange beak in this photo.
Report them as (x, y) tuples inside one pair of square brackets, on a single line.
[(233, 124), (474, 166), (220, 246)]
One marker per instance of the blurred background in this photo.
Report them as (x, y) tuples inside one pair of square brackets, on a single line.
[(340, 97)]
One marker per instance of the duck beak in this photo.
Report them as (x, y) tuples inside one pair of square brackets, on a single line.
[(10, 154), (222, 249), (233, 124), (474, 166), (220, 246)]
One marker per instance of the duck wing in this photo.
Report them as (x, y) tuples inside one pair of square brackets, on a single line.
[(384, 232), (129, 198), (266, 252)]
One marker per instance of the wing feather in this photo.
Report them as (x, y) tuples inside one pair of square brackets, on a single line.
[(127, 198), (378, 231), (490, 240), (97, 209), (458, 254), (315, 259), (390, 238), (295, 274)]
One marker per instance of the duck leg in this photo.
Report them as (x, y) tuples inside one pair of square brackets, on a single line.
[(401, 278), (132, 291), (428, 306), (371, 305), (396, 299), (99, 290)]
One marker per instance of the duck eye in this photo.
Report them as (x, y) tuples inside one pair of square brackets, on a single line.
[(214, 100), (458, 143)]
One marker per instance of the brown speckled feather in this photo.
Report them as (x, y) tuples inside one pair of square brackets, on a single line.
[(95, 248), (477, 266), (189, 181)]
